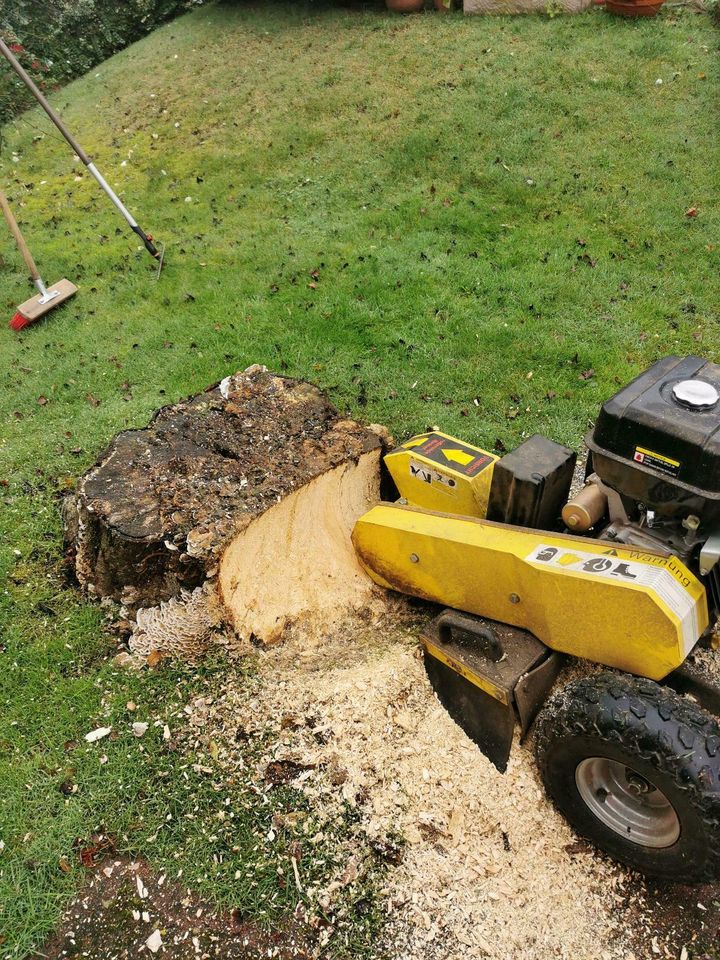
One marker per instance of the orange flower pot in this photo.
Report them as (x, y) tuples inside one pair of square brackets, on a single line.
[(405, 6), (634, 8)]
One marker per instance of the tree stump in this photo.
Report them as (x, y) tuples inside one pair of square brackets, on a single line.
[(232, 509)]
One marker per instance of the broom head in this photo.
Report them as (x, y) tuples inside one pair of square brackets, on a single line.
[(32, 309)]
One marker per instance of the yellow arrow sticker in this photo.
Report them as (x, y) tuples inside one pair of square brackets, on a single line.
[(415, 442), (567, 558), (458, 456)]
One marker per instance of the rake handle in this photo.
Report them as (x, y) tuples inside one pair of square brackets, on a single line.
[(19, 238), (104, 185)]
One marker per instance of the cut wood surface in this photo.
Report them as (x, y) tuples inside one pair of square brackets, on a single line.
[(232, 508)]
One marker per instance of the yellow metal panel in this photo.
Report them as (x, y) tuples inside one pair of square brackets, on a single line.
[(483, 683), (439, 472), (625, 608)]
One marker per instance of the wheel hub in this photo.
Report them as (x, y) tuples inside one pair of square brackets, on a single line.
[(627, 802)]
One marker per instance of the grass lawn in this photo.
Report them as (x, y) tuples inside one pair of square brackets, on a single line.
[(474, 223)]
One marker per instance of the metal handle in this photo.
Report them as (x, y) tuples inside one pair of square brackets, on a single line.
[(41, 99), (478, 632)]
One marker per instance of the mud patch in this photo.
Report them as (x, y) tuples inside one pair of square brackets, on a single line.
[(666, 918), (126, 911)]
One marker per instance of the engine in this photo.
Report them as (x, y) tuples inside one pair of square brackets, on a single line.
[(653, 470), (652, 480)]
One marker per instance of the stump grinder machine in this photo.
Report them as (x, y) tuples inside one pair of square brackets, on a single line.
[(623, 574)]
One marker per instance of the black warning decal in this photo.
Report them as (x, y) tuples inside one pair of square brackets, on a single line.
[(451, 453)]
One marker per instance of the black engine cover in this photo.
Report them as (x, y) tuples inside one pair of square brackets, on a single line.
[(654, 448)]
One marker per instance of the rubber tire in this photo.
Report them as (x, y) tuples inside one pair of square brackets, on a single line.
[(669, 740)]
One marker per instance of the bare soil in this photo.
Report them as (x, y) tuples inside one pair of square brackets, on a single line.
[(124, 905)]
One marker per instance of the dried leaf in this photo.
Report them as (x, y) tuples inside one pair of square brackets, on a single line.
[(154, 658), (93, 852)]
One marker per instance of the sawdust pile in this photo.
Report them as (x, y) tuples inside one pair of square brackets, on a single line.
[(490, 869)]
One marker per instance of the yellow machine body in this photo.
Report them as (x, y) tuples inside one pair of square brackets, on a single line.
[(634, 610), (439, 472)]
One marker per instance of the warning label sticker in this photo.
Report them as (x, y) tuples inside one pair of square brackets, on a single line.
[(657, 461), (451, 453), (421, 471), (666, 583)]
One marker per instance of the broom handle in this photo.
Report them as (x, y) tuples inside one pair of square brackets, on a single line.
[(105, 186), (19, 238)]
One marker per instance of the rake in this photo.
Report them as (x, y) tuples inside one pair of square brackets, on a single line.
[(92, 169)]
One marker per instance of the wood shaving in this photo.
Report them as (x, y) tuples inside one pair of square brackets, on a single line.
[(486, 869)]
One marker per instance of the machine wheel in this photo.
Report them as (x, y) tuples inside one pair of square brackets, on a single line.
[(635, 769)]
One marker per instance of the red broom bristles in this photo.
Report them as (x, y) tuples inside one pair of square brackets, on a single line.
[(18, 322)]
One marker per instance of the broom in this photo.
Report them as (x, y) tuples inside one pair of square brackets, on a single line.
[(46, 300)]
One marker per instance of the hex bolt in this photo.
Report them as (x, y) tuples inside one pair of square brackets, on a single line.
[(514, 598), (414, 558)]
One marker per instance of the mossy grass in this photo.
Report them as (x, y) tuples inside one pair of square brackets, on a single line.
[(474, 223)]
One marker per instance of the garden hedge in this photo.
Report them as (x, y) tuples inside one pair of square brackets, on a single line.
[(56, 41)]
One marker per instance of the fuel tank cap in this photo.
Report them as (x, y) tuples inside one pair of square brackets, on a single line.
[(696, 394)]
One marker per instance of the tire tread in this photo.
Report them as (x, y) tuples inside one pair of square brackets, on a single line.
[(672, 734)]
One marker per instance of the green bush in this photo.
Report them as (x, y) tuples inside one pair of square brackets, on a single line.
[(63, 39)]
